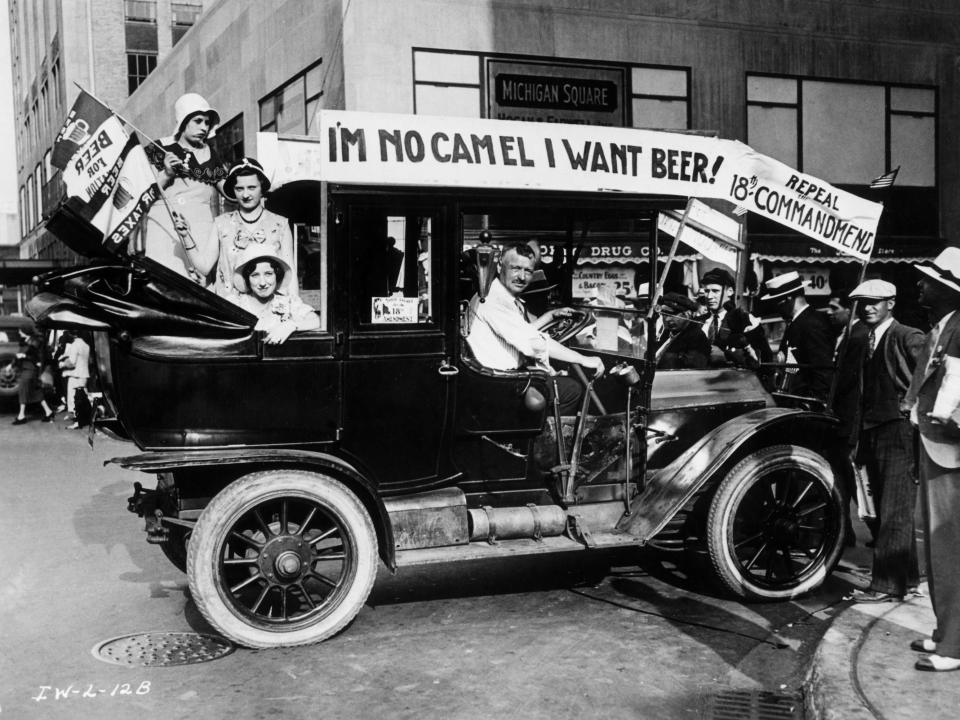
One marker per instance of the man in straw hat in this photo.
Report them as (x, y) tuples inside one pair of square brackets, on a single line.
[(808, 337), (884, 359), (933, 401)]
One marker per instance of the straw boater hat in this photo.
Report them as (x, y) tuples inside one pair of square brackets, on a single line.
[(192, 104), (945, 268), (247, 166), (874, 290), (253, 253), (782, 286)]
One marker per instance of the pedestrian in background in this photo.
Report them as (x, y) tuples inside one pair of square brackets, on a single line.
[(75, 366), (807, 339), (29, 390), (933, 402), (884, 363)]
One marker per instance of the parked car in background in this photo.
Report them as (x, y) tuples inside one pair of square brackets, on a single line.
[(10, 327)]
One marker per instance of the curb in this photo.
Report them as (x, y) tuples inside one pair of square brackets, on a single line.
[(830, 689)]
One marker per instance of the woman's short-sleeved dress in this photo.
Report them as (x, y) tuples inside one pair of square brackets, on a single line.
[(193, 195), (234, 235)]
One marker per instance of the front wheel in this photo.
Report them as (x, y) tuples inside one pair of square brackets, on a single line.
[(776, 524), (281, 558)]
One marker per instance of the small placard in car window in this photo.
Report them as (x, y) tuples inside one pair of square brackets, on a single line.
[(394, 310)]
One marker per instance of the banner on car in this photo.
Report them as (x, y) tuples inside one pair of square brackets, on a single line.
[(419, 150)]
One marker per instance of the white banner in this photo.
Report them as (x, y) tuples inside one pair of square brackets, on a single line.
[(419, 150)]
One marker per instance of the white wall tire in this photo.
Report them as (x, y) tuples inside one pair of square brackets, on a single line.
[(281, 558), (776, 524)]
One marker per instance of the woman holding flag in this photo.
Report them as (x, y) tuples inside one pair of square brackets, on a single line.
[(189, 173)]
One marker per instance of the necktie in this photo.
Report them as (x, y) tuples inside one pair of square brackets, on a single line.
[(872, 343), (714, 327)]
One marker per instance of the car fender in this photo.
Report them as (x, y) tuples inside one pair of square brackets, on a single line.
[(262, 458), (668, 490)]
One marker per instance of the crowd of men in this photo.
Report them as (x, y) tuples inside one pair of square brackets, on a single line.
[(888, 383)]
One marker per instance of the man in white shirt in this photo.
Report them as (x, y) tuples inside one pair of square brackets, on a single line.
[(502, 336), (75, 367)]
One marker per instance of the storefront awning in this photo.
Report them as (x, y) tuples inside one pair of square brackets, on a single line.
[(795, 249)]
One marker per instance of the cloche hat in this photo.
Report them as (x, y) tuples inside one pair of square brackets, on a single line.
[(945, 268), (247, 166), (781, 286), (874, 290), (191, 104), (253, 253)]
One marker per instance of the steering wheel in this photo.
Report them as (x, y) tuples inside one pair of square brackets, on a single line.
[(564, 328)]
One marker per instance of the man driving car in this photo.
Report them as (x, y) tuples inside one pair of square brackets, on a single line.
[(503, 336)]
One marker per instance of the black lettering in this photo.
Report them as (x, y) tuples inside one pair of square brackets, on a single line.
[(578, 161), (658, 167), (460, 150), (483, 143), (393, 138), (506, 147), (700, 162), (357, 139), (524, 160), (434, 147), (413, 145)]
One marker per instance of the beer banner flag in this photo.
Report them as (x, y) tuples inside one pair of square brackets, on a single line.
[(107, 176)]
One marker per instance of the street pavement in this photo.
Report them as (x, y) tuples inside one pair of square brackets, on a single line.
[(596, 636)]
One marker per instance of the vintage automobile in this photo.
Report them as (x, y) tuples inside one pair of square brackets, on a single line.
[(10, 327), (286, 474)]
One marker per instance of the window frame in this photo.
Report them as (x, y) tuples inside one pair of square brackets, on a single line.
[(797, 107), (277, 92), (137, 56)]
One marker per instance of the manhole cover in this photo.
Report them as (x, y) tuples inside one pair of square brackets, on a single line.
[(754, 705), (160, 649)]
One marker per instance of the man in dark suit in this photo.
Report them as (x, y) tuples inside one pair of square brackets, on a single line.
[(933, 401), (808, 337), (682, 344), (735, 335), (884, 360)]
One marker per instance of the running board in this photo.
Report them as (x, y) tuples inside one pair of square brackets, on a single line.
[(511, 548)]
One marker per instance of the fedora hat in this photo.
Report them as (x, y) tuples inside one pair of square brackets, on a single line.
[(781, 286), (190, 104), (945, 268), (247, 166), (874, 290), (253, 253)]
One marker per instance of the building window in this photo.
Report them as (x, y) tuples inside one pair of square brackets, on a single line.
[(28, 205), (228, 141), (446, 83), (847, 133), (660, 97), (140, 11), (293, 107), (23, 211), (185, 14), (139, 65), (55, 82), (539, 89), (38, 192)]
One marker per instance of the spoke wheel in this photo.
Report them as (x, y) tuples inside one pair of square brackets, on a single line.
[(282, 558), (776, 525)]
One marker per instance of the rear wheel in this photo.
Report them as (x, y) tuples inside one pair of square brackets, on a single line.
[(776, 525), (282, 558)]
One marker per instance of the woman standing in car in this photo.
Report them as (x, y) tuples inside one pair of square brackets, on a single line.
[(188, 172)]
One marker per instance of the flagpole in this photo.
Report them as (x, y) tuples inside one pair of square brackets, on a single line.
[(192, 268)]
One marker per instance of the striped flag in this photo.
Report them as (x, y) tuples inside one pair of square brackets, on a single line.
[(106, 172), (886, 180), (739, 210)]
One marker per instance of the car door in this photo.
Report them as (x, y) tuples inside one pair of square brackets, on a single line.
[(397, 376)]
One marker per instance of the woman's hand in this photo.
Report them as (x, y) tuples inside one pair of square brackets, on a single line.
[(172, 165), (180, 224), (276, 332)]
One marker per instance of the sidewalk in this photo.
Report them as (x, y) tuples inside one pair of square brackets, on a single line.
[(863, 667)]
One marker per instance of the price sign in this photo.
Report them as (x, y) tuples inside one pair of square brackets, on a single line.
[(588, 281), (817, 279)]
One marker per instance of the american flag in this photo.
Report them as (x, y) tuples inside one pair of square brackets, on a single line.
[(886, 180), (739, 210)]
